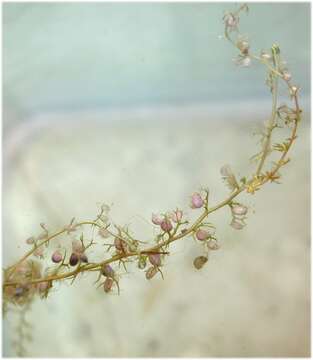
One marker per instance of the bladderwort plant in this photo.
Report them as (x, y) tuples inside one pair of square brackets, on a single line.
[(49, 262)]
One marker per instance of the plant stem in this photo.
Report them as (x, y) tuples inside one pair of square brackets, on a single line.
[(273, 115), (276, 75)]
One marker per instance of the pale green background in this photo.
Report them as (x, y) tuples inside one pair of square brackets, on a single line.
[(100, 55)]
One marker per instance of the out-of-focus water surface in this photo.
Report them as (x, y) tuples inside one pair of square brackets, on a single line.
[(139, 105), (119, 55)]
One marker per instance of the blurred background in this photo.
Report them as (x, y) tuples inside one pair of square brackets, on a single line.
[(139, 105)]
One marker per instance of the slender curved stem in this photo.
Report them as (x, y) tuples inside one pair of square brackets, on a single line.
[(273, 114), (274, 71)]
